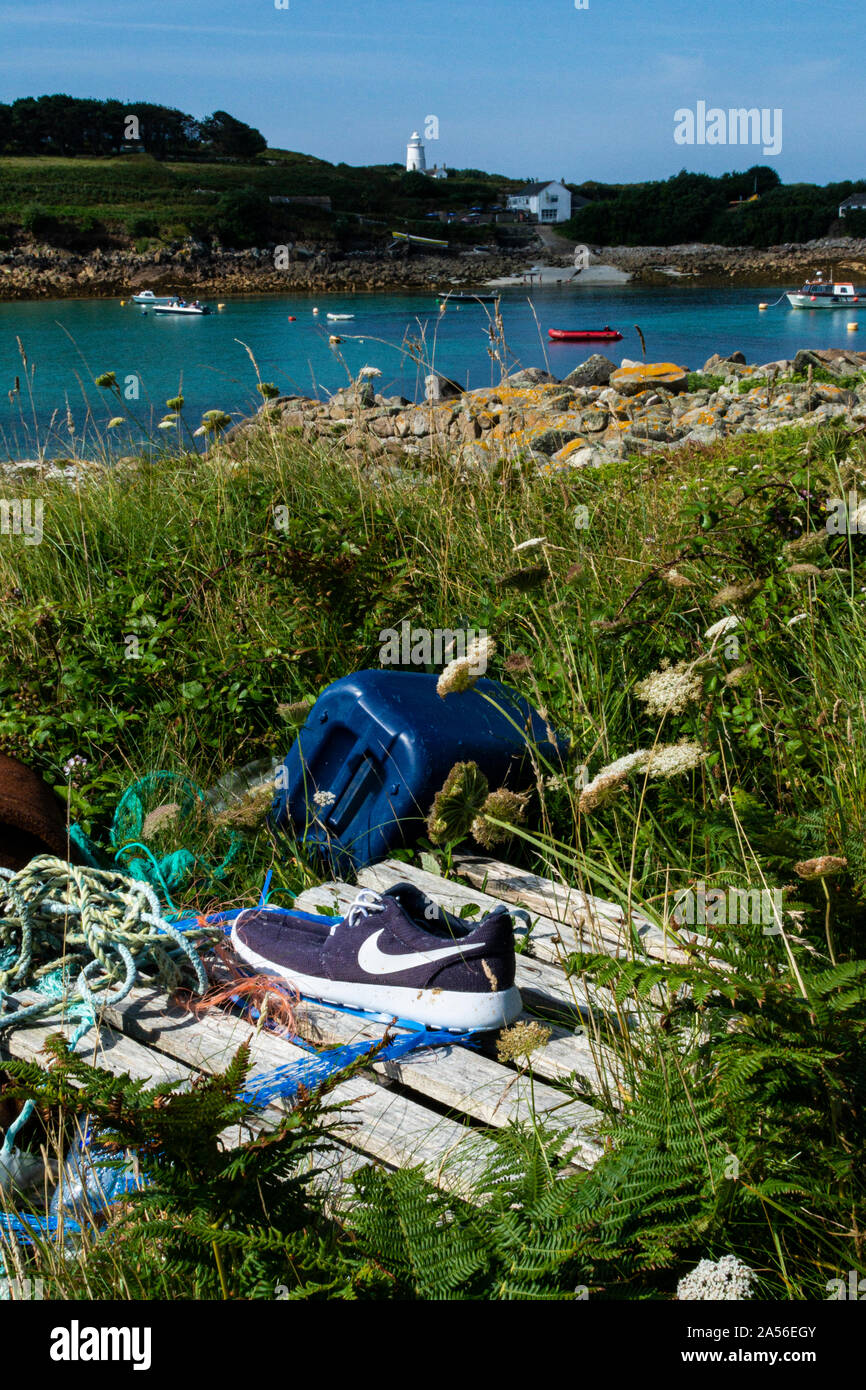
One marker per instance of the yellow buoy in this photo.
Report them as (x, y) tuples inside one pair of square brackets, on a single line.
[(221, 306), (852, 327), (763, 306), (123, 303)]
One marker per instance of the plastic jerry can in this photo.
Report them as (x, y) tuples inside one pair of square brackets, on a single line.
[(376, 748)]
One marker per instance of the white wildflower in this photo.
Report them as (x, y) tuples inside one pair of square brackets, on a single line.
[(367, 372), (727, 1278), (667, 760), (722, 626), (606, 783), (462, 673), (673, 758), (323, 799), (671, 689)]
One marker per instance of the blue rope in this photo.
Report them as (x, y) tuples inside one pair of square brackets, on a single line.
[(284, 1082)]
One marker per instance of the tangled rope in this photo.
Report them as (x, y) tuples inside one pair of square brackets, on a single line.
[(168, 872), (127, 832), (56, 919)]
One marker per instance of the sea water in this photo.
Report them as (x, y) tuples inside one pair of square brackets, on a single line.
[(216, 361)]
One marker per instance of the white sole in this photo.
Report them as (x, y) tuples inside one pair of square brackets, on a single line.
[(438, 1008)]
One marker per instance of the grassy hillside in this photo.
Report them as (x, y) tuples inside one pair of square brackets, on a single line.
[(135, 196), (736, 1127)]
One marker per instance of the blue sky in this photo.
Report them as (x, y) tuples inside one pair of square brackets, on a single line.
[(529, 88)]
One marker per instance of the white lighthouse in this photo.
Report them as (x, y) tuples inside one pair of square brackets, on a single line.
[(415, 158)]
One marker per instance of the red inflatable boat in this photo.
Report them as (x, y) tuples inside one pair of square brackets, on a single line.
[(584, 335)]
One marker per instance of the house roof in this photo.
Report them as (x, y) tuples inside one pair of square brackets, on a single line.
[(532, 189), (857, 200)]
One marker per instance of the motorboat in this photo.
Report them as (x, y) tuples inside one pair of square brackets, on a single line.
[(341, 317), (179, 306), (148, 297), (584, 335), (824, 294)]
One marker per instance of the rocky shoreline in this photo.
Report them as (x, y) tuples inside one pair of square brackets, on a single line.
[(601, 412), (195, 269), (33, 271), (787, 264)]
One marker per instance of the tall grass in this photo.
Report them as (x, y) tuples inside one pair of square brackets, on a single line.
[(238, 617)]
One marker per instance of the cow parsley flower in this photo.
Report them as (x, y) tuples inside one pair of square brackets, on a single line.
[(727, 1278), (721, 627), (822, 867), (462, 673), (323, 799), (671, 689), (672, 759), (736, 593), (667, 760)]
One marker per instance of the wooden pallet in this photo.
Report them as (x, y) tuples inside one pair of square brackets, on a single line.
[(434, 1107)]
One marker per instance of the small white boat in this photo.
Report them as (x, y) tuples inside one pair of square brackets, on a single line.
[(148, 297), (341, 316), (179, 306), (825, 294)]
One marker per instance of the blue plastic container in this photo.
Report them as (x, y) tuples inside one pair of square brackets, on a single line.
[(381, 743)]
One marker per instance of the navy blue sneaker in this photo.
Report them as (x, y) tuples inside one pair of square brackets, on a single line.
[(395, 953)]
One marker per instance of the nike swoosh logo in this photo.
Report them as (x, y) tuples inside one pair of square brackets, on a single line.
[(375, 962)]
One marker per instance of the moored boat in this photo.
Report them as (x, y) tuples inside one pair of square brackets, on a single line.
[(824, 294), (584, 335), (148, 297), (419, 240), (179, 306)]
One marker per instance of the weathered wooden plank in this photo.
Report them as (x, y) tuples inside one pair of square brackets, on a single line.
[(381, 1123), (593, 923), (103, 1046), (116, 1052), (572, 1050), (462, 1079)]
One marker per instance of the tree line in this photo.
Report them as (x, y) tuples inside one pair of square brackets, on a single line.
[(64, 125), (702, 208)]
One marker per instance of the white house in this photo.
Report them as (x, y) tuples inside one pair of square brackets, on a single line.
[(542, 202), (857, 202)]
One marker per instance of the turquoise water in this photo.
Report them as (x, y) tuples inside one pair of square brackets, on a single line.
[(70, 342)]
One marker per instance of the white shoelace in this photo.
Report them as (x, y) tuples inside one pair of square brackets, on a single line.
[(366, 902)]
